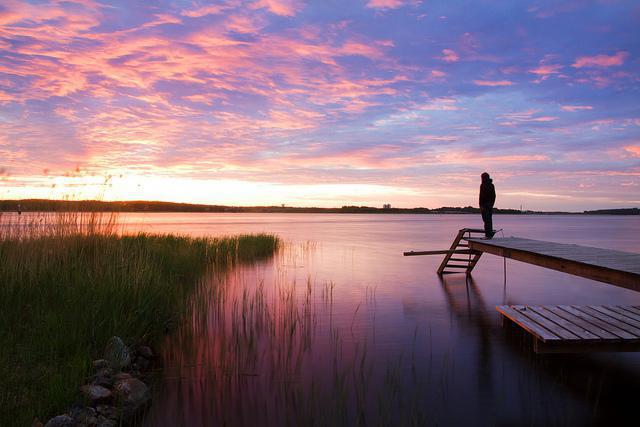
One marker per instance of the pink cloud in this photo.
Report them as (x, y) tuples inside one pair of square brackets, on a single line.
[(363, 49), (523, 117), (204, 11), (212, 65), (601, 60), (633, 150), (545, 70), (449, 55), (440, 104), (574, 108), (472, 157), (492, 83), (379, 157), (438, 73), (387, 4), (280, 7), (422, 139)]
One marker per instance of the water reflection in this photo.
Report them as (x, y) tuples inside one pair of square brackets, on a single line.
[(342, 330), (468, 305)]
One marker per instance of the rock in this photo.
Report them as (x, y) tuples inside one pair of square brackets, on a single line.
[(102, 381), (85, 416), (95, 393), (105, 372), (60, 421), (132, 395), (106, 422), (107, 411), (103, 377), (117, 353), (100, 364), (122, 376), (145, 352)]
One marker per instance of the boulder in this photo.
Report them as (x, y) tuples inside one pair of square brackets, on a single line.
[(122, 376), (85, 416), (107, 411), (117, 354), (60, 421), (106, 382), (95, 393), (106, 422), (103, 377), (100, 364), (105, 372), (132, 395)]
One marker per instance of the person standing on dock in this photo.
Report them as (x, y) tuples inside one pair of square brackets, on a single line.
[(487, 199)]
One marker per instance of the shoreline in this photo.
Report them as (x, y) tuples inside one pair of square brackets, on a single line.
[(137, 206), (70, 285)]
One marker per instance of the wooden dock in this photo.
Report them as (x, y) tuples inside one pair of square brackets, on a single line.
[(561, 328), (578, 329), (604, 265)]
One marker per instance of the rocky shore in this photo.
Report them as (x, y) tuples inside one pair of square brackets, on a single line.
[(116, 394)]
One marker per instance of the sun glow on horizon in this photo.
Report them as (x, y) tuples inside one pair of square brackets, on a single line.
[(247, 193)]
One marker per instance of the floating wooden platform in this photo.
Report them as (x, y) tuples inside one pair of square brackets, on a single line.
[(604, 265), (578, 329)]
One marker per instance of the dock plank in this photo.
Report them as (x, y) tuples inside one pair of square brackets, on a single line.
[(575, 329), (631, 309), (604, 265), (600, 323), (603, 334), (620, 317), (526, 323), (623, 312), (555, 328)]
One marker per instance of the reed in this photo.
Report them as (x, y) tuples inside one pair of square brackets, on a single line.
[(69, 281)]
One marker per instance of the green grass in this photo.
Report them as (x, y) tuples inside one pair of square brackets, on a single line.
[(68, 282)]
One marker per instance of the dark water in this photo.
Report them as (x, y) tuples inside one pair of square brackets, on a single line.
[(340, 329)]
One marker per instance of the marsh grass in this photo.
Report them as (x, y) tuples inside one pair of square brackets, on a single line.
[(69, 281), (273, 352)]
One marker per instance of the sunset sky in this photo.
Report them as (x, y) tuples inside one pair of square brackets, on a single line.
[(322, 103)]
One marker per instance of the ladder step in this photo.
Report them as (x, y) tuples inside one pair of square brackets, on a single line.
[(473, 230), (459, 246)]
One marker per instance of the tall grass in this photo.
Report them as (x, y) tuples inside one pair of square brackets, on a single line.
[(69, 281), (271, 352)]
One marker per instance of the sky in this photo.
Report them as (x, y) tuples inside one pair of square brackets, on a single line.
[(322, 102)]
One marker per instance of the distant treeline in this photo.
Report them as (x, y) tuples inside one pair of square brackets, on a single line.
[(624, 211), (46, 205)]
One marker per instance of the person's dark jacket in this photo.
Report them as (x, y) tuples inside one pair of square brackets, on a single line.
[(487, 193)]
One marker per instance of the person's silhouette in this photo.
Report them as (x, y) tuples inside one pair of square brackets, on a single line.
[(487, 199)]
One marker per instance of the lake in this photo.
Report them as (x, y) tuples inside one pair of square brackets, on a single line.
[(340, 329)]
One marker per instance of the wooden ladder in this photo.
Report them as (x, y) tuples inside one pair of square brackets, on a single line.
[(454, 260)]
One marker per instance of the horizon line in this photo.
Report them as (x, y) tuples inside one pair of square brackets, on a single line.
[(287, 207)]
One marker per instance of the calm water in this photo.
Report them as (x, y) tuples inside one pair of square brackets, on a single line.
[(340, 328)]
